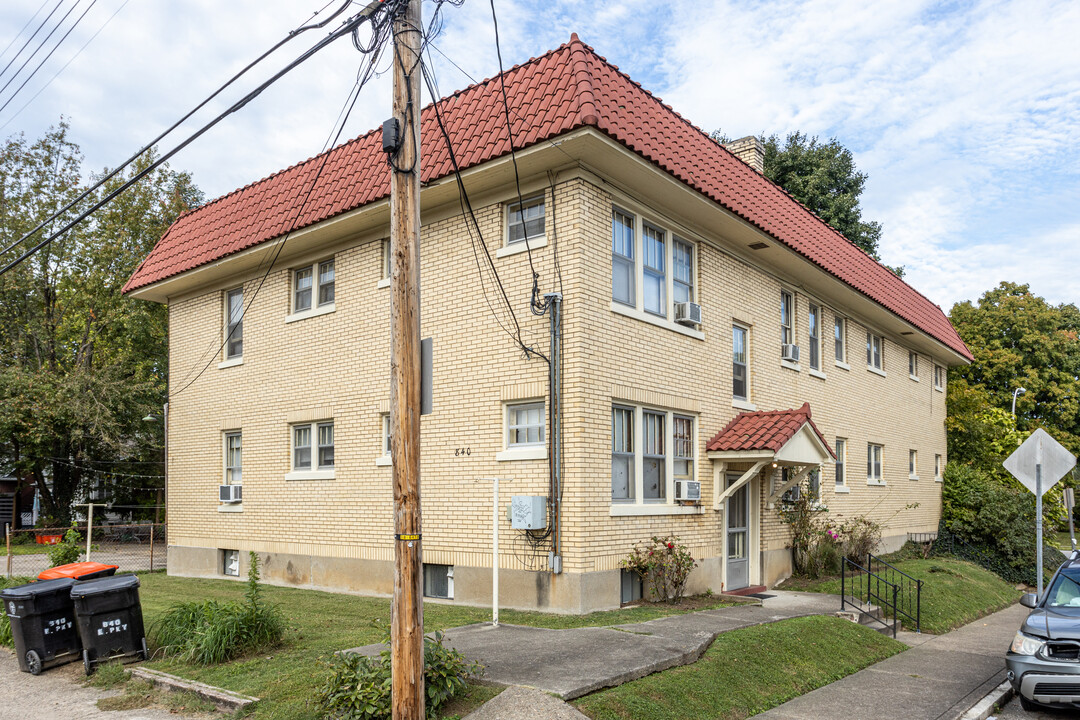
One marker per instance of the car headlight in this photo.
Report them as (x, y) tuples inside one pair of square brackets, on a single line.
[(1026, 645)]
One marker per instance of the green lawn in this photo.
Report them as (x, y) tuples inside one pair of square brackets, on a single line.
[(322, 623), (954, 592), (29, 549), (1063, 541), (747, 671)]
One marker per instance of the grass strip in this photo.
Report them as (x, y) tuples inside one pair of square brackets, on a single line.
[(322, 623), (954, 592), (747, 671)]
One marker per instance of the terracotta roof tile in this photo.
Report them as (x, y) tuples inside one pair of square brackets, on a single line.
[(563, 90), (764, 430)]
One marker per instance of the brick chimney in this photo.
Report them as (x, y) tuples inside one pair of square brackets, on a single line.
[(750, 150)]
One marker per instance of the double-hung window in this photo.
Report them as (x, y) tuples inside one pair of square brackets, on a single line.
[(653, 436), (622, 453), (654, 256), (233, 459), (622, 258), (525, 220), (313, 286), (385, 438), (873, 350), (815, 337), (913, 365), (740, 375), (682, 433), (313, 447), (384, 259), (939, 377), (841, 462), (682, 271), (234, 316), (873, 463), (787, 305), (913, 464), (839, 338), (937, 468), (525, 425)]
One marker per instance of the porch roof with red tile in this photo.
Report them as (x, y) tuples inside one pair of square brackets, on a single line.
[(764, 430)]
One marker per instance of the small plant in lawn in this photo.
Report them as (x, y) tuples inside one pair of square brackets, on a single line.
[(212, 632), (5, 631), (860, 536), (109, 675), (664, 564), (358, 687), (67, 550)]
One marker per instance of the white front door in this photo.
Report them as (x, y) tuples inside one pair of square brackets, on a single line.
[(738, 536)]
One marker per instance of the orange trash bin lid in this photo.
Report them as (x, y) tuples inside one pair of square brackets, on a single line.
[(79, 571)]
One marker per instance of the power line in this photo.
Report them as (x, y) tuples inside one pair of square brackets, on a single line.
[(22, 30), (31, 38), (39, 47), (346, 28), (56, 215)]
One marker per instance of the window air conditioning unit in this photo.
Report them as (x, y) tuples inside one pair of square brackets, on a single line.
[(789, 353), (688, 313), (687, 490), (230, 493)]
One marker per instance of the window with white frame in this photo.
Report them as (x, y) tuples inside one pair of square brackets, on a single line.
[(683, 444), (787, 307), (525, 425), (385, 439), (234, 464), (939, 377), (913, 463), (913, 365), (384, 259), (313, 285), (841, 462), (682, 271), (313, 446), (874, 454), (438, 581), (622, 258), (230, 562), (623, 485), (815, 337), (654, 258), (234, 321), (937, 467), (874, 345), (525, 220), (642, 465), (740, 373), (840, 339)]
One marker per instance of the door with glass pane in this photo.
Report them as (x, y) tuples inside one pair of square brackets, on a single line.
[(738, 536)]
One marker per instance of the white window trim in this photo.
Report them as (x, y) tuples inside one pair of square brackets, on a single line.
[(742, 403), (314, 312), (225, 456), (913, 475), (879, 481), (881, 354), (813, 309), (316, 308), (817, 373), (791, 365), (231, 362), (537, 451), (842, 459), (913, 375), (235, 359), (230, 508), (939, 387), (526, 243), (842, 363), (790, 327), (311, 474), (939, 467), (666, 506), (637, 310), (874, 370), (314, 472), (384, 458)]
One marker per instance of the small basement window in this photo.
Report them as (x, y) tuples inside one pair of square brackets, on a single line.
[(631, 586), (438, 581), (230, 562)]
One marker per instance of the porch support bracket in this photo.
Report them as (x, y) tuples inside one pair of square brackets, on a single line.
[(737, 485), (793, 480)]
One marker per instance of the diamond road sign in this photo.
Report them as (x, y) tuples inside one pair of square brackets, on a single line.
[(1040, 448)]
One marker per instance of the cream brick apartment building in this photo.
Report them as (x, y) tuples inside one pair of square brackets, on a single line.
[(642, 211)]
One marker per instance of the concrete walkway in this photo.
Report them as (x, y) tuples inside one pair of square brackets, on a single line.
[(937, 680)]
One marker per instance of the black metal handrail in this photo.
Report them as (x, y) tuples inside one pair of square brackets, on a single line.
[(868, 589), (908, 592)]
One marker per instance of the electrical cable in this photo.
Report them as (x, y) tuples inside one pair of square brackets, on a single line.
[(15, 37), (38, 48), (64, 66), (345, 29), (56, 215), (47, 56), (32, 36)]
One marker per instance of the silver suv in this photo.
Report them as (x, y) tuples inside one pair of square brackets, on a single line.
[(1044, 660)]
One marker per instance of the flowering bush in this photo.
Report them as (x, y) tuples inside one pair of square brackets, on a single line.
[(664, 564)]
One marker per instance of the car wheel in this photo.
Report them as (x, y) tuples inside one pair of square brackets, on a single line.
[(1027, 704), (33, 662)]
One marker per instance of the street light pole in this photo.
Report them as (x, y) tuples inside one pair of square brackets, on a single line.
[(1017, 391)]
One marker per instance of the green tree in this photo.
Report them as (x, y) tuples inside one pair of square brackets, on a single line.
[(823, 177), (79, 365), (1018, 340)]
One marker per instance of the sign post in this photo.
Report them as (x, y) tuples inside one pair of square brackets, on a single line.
[(1039, 463)]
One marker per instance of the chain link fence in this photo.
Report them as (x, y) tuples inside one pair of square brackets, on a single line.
[(131, 547)]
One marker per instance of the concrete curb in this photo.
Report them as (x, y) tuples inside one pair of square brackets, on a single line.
[(223, 699), (982, 709)]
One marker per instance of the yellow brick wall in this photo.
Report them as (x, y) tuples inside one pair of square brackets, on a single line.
[(337, 366)]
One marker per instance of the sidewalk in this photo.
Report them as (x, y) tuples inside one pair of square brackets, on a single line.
[(938, 680)]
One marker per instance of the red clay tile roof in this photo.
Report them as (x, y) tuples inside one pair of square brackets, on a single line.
[(764, 430), (568, 88)]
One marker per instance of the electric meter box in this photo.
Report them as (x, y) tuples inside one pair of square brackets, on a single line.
[(528, 512)]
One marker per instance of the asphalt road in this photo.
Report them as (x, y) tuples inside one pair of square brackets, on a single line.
[(1013, 711)]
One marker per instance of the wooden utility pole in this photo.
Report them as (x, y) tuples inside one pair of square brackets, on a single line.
[(407, 617)]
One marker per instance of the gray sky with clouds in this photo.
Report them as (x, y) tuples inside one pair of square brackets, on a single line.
[(965, 115)]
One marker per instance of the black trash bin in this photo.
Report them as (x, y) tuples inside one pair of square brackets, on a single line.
[(43, 624), (110, 621)]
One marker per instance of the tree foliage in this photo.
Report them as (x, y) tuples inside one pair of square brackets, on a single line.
[(79, 364), (1018, 340)]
